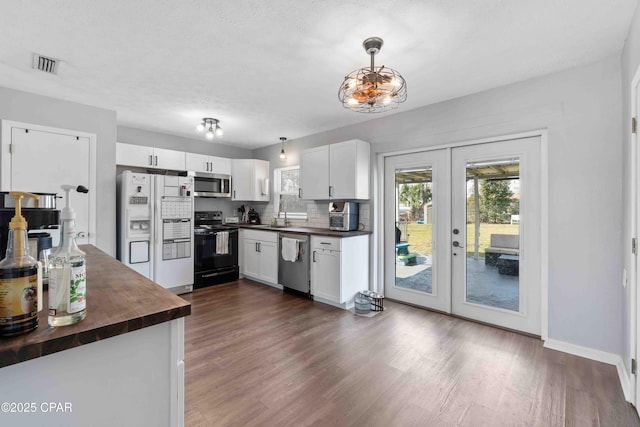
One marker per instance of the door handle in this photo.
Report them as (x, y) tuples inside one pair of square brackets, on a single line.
[(314, 256), (456, 244)]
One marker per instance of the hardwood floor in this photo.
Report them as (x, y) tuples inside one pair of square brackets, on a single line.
[(258, 357)]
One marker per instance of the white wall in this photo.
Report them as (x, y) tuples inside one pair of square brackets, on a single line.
[(42, 110), (581, 109), (630, 63)]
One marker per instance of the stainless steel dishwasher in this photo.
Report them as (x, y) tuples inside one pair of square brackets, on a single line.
[(295, 274)]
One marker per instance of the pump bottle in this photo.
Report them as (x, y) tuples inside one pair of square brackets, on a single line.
[(67, 273), (18, 277)]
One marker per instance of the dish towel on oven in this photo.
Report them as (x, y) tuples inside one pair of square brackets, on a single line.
[(222, 242), (289, 249)]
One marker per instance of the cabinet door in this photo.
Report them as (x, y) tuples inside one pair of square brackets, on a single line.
[(242, 179), (261, 176), (268, 261), (168, 159), (197, 162), (325, 274), (315, 173), (220, 165), (342, 167), (134, 155), (251, 259)]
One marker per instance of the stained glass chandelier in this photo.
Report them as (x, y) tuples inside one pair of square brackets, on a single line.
[(373, 89)]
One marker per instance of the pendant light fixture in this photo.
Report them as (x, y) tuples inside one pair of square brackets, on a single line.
[(212, 126), (283, 155), (373, 89)]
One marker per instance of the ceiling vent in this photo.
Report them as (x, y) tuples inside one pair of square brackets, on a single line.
[(46, 64)]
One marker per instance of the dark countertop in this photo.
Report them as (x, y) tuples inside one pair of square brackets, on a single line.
[(119, 300), (305, 230)]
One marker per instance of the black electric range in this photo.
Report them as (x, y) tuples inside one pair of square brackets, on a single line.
[(216, 250)]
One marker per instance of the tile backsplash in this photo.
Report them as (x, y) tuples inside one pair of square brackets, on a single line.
[(317, 215)]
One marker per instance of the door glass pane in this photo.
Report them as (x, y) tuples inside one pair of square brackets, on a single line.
[(493, 233), (414, 229)]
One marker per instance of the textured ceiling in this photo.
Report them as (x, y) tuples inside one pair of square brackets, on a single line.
[(272, 68)]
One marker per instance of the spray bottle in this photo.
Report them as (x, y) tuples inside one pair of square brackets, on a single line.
[(67, 273), (18, 277)]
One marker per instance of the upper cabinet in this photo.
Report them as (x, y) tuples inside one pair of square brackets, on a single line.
[(149, 157), (250, 180), (211, 164), (336, 171)]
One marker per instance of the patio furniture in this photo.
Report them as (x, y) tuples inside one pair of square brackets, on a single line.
[(403, 256), (501, 244), (509, 265)]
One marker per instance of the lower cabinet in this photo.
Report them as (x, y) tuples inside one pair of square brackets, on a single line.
[(259, 259), (339, 269)]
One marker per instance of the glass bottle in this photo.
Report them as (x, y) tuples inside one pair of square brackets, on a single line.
[(67, 275)]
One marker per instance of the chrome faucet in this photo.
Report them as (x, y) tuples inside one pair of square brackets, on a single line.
[(284, 206)]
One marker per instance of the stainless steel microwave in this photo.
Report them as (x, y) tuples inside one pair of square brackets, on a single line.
[(211, 184)]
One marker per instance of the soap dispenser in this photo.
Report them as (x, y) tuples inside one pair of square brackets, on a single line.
[(18, 277), (67, 272)]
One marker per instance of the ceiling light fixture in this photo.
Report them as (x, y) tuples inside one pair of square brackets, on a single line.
[(212, 126), (373, 89), (283, 155)]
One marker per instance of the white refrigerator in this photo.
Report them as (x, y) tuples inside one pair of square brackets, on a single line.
[(155, 228)]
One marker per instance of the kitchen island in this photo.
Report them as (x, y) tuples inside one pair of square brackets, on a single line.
[(121, 365)]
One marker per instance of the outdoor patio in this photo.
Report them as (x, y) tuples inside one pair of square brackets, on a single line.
[(485, 285)]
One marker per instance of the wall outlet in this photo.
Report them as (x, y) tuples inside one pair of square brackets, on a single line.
[(624, 278)]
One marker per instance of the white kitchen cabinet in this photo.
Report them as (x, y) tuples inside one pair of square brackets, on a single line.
[(314, 166), (259, 255), (339, 269), (149, 157), (250, 180), (336, 171), (210, 164)]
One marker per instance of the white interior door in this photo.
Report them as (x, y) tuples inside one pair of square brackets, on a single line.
[(417, 201), (496, 233), (463, 231), (43, 161)]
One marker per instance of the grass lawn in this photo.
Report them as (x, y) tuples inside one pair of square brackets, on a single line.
[(420, 236)]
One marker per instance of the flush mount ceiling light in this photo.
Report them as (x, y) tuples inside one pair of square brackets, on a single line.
[(212, 126), (373, 89), (283, 155)]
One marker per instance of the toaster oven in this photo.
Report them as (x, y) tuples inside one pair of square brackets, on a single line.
[(343, 216)]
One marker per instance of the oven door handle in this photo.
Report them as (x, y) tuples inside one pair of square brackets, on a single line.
[(218, 273)]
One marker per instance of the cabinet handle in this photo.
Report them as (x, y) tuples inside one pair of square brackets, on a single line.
[(299, 193), (259, 249), (330, 191), (325, 243), (150, 160), (156, 161), (234, 194), (314, 256)]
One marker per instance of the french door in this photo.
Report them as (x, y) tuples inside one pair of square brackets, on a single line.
[(462, 231)]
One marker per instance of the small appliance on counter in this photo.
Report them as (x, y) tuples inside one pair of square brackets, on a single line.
[(253, 216), (343, 216)]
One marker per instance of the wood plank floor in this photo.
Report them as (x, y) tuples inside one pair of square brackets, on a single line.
[(258, 357)]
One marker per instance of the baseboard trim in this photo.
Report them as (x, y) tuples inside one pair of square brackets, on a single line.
[(599, 356)]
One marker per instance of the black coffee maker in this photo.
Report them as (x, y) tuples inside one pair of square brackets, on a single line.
[(253, 216)]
